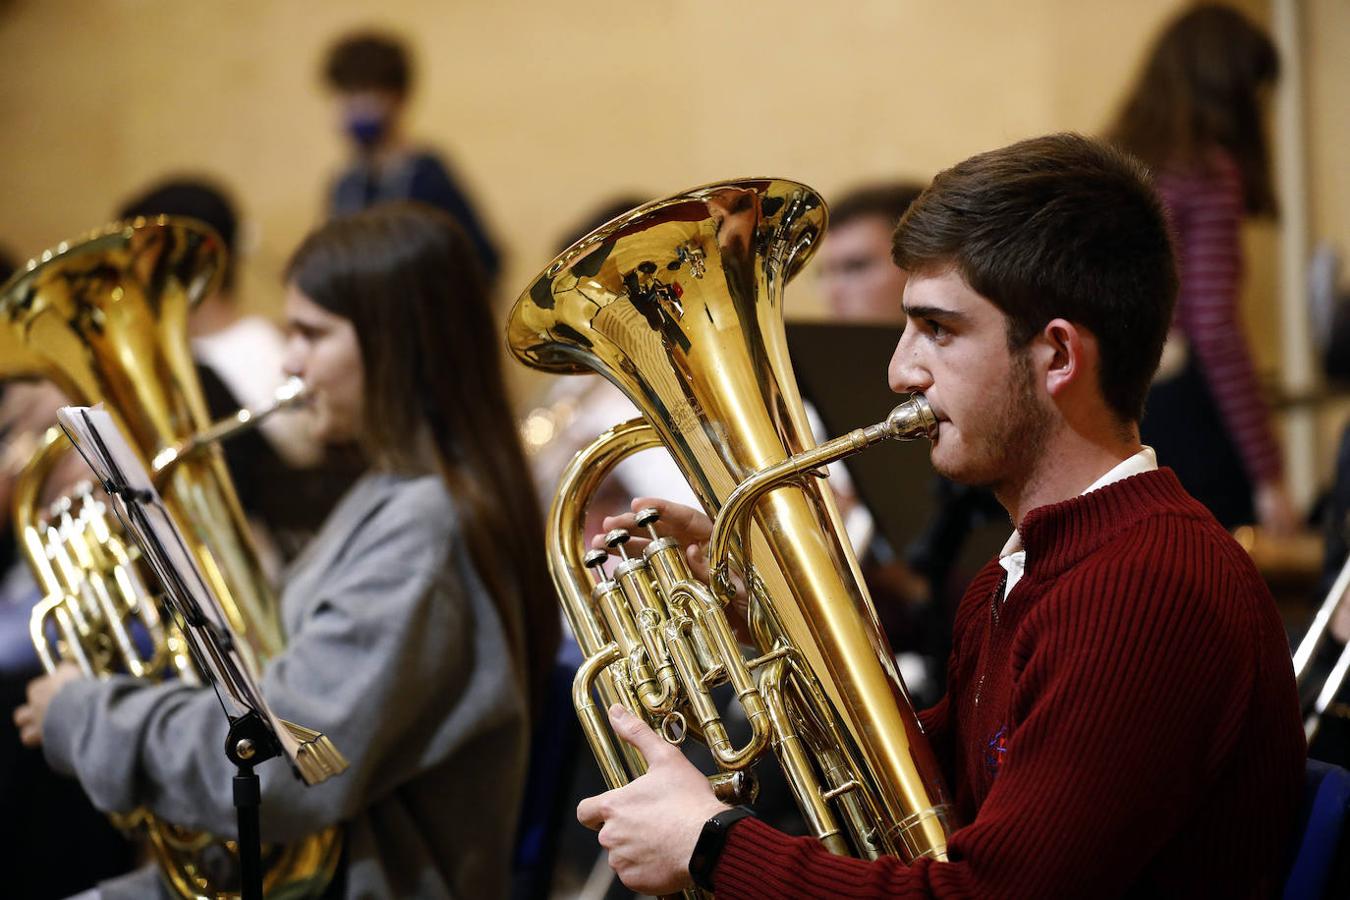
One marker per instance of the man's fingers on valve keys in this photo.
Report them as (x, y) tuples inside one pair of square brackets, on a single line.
[(685, 522)]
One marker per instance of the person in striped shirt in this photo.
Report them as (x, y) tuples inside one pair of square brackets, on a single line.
[(1195, 117)]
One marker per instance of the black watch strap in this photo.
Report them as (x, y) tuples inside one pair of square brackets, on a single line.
[(711, 841)]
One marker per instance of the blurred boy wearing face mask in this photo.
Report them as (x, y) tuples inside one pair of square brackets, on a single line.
[(371, 77)]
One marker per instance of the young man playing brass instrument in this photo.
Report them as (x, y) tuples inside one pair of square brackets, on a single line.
[(1121, 716)]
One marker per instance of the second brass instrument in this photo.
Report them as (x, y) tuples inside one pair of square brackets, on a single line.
[(678, 303), (105, 319), (97, 611)]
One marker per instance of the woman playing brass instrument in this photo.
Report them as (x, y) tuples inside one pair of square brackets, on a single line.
[(413, 637)]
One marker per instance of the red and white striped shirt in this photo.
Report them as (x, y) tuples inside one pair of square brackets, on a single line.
[(1206, 212)]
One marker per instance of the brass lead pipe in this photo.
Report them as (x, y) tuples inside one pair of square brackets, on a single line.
[(910, 420), (291, 394)]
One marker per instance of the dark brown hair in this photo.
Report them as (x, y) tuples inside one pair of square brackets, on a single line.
[(369, 60), (406, 276), (882, 201), (1197, 92), (196, 198), (1056, 227)]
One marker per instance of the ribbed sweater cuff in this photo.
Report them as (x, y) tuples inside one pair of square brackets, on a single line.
[(750, 865), (759, 861)]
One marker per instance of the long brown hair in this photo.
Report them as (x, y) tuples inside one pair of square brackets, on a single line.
[(1198, 91), (406, 277)]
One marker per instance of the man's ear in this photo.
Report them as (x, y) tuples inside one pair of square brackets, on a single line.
[(1068, 352)]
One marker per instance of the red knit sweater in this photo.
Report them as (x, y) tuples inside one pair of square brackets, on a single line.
[(1125, 722)]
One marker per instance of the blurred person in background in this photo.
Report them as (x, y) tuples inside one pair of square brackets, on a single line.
[(858, 278), (420, 622), (286, 481), (371, 75), (1195, 116)]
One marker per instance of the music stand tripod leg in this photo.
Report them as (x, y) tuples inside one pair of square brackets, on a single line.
[(249, 743)]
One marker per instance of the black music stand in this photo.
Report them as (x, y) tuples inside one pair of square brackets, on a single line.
[(255, 734)]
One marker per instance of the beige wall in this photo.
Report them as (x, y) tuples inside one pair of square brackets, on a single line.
[(548, 108)]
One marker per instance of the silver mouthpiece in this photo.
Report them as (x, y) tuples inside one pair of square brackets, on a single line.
[(912, 419)]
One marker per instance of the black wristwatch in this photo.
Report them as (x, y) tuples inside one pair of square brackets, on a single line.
[(711, 841)]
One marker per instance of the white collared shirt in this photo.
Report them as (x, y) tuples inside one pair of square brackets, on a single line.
[(1013, 557)]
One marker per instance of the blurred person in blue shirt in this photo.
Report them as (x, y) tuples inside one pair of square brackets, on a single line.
[(371, 75)]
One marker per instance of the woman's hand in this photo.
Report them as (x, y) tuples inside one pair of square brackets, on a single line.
[(41, 690), (1275, 510)]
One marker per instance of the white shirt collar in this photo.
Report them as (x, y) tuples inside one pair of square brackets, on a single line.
[(1143, 461)]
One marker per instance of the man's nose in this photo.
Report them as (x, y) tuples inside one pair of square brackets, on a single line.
[(907, 374)]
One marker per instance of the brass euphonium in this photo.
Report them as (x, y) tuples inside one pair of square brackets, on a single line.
[(105, 319), (679, 304)]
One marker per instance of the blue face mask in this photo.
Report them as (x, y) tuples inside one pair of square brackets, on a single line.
[(366, 130)]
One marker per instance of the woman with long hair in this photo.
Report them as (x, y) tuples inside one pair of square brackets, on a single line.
[(420, 622), (1195, 116)]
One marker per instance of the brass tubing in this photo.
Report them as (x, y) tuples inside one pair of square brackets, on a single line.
[(796, 763), (700, 701), (914, 819), (708, 616), (595, 722), (565, 536), (849, 795), (72, 584), (117, 626), (139, 603), (665, 557), (26, 487), (51, 606), (92, 566), (658, 693), (290, 394), (565, 540), (908, 421)]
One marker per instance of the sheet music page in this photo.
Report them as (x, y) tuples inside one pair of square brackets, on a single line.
[(139, 506)]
